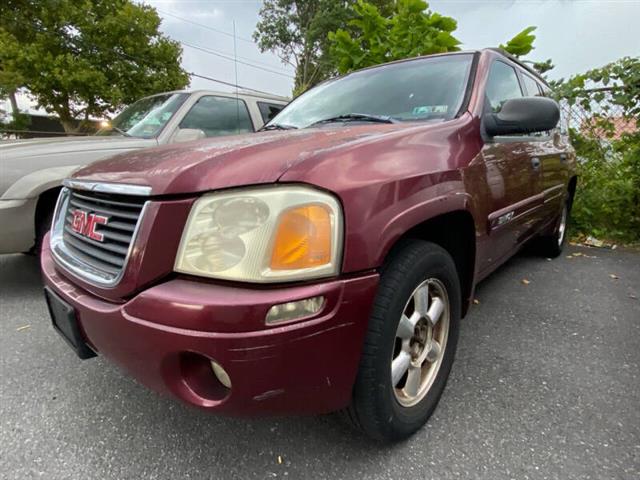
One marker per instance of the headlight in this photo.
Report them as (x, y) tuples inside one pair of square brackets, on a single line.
[(262, 235)]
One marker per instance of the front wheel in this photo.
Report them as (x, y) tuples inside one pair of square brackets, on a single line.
[(410, 343)]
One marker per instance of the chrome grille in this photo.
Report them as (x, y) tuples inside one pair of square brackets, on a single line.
[(103, 258)]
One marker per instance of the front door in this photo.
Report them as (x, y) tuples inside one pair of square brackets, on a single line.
[(512, 175)]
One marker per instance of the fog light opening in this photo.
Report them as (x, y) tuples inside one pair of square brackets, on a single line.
[(221, 374), (284, 312), (199, 375)]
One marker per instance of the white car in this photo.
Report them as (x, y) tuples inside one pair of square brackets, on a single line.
[(31, 171)]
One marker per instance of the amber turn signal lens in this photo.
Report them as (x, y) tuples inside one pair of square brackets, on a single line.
[(303, 238)]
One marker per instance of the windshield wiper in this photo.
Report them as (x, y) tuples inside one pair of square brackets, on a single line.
[(277, 126), (120, 131), (361, 117)]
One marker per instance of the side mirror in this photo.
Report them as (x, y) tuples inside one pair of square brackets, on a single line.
[(522, 116), (188, 135)]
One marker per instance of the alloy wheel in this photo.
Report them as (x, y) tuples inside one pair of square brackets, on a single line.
[(420, 340)]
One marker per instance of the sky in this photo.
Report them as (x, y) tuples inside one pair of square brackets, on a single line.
[(576, 34)]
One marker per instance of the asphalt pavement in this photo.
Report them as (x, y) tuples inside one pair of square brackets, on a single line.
[(546, 385)]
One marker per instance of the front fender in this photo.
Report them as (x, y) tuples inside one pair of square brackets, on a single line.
[(34, 183), (376, 217)]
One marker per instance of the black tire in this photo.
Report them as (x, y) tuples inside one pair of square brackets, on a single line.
[(551, 246), (375, 408), (42, 227)]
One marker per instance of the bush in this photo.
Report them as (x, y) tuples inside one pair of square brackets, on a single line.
[(607, 203)]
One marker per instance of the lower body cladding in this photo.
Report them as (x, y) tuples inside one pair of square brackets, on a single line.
[(168, 336)]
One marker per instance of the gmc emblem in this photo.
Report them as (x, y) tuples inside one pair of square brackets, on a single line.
[(85, 224)]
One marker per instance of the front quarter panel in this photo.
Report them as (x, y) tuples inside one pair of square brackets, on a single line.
[(394, 183)]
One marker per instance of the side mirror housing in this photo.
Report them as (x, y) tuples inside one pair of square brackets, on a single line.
[(522, 116), (188, 135)]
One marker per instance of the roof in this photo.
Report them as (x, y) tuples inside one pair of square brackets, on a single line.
[(499, 51), (246, 93)]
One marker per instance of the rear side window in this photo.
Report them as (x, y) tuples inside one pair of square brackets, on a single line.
[(502, 85), (269, 110), (217, 116), (531, 86)]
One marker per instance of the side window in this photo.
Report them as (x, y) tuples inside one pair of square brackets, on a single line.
[(217, 116), (269, 110), (531, 86), (502, 85)]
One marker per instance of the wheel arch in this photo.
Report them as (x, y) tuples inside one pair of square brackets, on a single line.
[(46, 202), (573, 183), (455, 232)]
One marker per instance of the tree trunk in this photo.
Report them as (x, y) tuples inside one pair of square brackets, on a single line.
[(64, 114), (14, 104), (67, 124)]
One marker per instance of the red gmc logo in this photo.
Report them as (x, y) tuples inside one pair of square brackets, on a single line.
[(85, 224)]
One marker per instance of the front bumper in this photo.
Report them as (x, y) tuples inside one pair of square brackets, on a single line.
[(17, 218), (158, 336)]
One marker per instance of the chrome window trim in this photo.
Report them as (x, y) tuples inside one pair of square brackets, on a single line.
[(75, 267), (116, 188)]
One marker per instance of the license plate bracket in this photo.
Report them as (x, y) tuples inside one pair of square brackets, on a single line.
[(65, 322)]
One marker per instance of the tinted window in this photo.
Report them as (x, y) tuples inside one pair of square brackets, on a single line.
[(421, 89), (532, 87), (502, 85), (269, 110), (217, 116)]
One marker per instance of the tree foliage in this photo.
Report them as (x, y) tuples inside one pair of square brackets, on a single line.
[(618, 81), (607, 200), (371, 38), (323, 37), (296, 30), (521, 44), (81, 58)]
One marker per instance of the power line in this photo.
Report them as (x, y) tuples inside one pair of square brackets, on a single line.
[(244, 39), (250, 60), (221, 55), (204, 77)]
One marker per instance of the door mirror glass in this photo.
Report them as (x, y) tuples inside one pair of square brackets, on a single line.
[(521, 116), (188, 135)]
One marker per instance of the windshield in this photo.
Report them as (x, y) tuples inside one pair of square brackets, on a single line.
[(145, 118), (420, 89)]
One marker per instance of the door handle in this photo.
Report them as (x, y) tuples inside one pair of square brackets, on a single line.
[(535, 163), (563, 157)]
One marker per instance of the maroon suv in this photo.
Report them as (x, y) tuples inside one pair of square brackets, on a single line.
[(324, 263)]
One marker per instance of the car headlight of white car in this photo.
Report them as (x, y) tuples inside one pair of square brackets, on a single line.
[(263, 234)]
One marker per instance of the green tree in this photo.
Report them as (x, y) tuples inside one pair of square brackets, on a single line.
[(296, 30), (82, 58), (411, 29), (617, 82), (522, 44), (371, 38), (607, 202)]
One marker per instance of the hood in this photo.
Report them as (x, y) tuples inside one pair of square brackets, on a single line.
[(28, 167), (46, 146), (249, 159)]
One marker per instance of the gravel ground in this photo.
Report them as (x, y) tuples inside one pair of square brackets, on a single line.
[(546, 384)]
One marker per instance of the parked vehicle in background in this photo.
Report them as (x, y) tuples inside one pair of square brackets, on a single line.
[(33, 170), (323, 264)]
